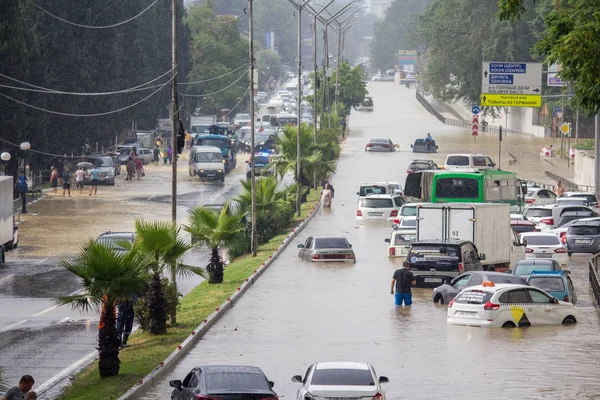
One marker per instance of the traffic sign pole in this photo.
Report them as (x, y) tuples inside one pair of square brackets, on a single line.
[(475, 127)]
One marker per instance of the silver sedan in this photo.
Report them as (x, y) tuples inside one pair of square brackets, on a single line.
[(326, 249), (378, 144)]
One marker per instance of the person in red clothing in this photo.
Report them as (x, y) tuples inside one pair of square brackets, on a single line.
[(139, 167)]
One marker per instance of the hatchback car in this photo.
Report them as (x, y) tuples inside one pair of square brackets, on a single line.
[(340, 380), (380, 144), (583, 236), (508, 306), (523, 268), (379, 207), (421, 165), (541, 245), (555, 283), (445, 293), (539, 196), (400, 240), (326, 249), (224, 382)]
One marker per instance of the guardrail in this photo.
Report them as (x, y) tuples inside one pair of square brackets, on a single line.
[(570, 186), (430, 108), (594, 265)]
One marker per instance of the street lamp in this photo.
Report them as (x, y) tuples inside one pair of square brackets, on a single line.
[(25, 146), (5, 156)]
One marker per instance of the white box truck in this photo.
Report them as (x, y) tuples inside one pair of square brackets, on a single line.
[(7, 225), (201, 124), (486, 225)]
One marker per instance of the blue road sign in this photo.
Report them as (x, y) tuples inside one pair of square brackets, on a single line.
[(501, 79), (475, 110), (508, 68)]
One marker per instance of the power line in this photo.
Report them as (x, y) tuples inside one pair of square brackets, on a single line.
[(238, 103), (87, 115), (218, 91), (92, 26), (215, 78)]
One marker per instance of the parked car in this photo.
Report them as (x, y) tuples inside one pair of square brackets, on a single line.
[(419, 146), (373, 188), (520, 226), (396, 187), (469, 161), (366, 104), (591, 197), (380, 144), (546, 216), (340, 380), (117, 240), (421, 165), (542, 245), (524, 267), (106, 169), (224, 382), (573, 201), (146, 155), (539, 196), (400, 240), (379, 207), (445, 293), (583, 236), (555, 283), (326, 249), (508, 305)]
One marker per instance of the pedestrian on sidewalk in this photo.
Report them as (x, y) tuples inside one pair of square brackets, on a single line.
[(23, 188), (95, 178), (402, 281), (125, 317), (79, 174), (66, 177), (20, 391), (139, 168), (559, 189), (54, 180)]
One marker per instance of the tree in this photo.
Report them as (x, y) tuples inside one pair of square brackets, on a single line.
[(161, 242), (217, 229), (108, 277), (353, 87)]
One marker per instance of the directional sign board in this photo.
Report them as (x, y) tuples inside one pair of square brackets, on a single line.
[(508, 84)]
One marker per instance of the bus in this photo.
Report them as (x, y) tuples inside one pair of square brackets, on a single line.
[(475, 186)]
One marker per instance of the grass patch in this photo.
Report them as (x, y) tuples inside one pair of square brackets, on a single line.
[(146, 351)]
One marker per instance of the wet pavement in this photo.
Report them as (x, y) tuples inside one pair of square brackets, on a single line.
[(299, 313)]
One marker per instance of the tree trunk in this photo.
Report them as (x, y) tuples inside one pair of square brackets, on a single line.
[(108, 342), (156, 307), (215, 267)]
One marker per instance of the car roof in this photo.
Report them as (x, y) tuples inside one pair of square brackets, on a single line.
[(378, 139), (467, 154), (534, 261), (342, 365), (586, 221), (381, 196), (527, 234), (522, 222), (571, 198), (325, 236), (426, 161), (206, 149), (228, 369), (497, 287), (574, 194), (110, 234)]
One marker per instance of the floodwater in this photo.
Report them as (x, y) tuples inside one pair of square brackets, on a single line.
[(299, 313)]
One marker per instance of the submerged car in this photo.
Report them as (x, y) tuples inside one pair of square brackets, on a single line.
[(421, 147), (380, 144), (445, 293), (326, 249), (555, 283)]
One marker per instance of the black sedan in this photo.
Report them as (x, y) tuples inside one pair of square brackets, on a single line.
[(224, 382), (445, 293)]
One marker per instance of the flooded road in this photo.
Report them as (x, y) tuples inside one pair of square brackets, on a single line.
[(299, 313)]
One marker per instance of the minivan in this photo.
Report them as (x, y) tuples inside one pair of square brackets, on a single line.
[(476, 161), (207, 162)]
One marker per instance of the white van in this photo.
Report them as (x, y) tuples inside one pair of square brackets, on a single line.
[(207, 162), (471, 161)]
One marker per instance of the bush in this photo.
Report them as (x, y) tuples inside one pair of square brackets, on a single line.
[(585, 144), (140, 308)]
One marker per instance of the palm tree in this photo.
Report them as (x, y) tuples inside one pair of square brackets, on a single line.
[(161, 242), (267, 193), (216, 229), (108, 277)]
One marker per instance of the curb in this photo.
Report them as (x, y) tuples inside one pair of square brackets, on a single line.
[(145, 384)]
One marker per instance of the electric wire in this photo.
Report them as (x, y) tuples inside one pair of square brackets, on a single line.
[(215, 78), (238, 103), (218, 91), (92, 26)]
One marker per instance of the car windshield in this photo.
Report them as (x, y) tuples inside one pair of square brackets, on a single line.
[(402, 239), (461, 161), (409, 211), (331, 243), (419, 166), (262, 160), (374, 189), (262, 137), (380, 141), (473, 297), (367, 102), (343, 377), (101, 161), (523, 228), (201, 129), (542, 240), (215, 142), (530, 193), (242, 117), (537, 213), (377, 203), (235, 382), (584, 230), (209, 157), (525, 267), (548, 283), (457, 188)]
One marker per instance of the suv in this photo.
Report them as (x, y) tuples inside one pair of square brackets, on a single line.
[(379, 207), (591, 197), (421, 165), (106, 169), (261, 165), (546, 217), (433, 261), (583, 236), (477, 161)]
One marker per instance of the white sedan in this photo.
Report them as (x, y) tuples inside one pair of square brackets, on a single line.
[(541, 245), (539, 196), (340, 380), (507, 306)]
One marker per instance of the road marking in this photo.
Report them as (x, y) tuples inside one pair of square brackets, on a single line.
[(8, 328), (41, 261), (55, 306), (7, 277)]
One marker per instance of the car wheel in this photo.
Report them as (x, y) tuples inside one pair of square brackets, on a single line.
[(569, 320), (439, 299), (569, 253), (509, 324)]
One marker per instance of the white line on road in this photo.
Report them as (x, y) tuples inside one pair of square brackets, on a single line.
[(8, 328), (55, 306), (7, 277), (41, 261)]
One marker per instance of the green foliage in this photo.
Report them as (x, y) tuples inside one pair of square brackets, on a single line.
[(393, 33), (141, 307), (585, 144), (458, 35)]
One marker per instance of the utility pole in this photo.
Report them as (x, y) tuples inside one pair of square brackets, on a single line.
[(597, 155), (174, 125), (340, 30), (253, 236), (577, 128)]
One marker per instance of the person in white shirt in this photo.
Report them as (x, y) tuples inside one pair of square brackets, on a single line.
[(79, 174)]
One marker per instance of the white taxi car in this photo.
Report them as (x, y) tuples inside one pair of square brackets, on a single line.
[(508, 306), (541, 245), (340, 380)]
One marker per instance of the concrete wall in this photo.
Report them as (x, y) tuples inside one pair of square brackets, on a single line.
[(584, 168)]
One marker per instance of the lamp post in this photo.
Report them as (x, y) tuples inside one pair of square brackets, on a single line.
[(341, 28), (253, 234), (25, 146)]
